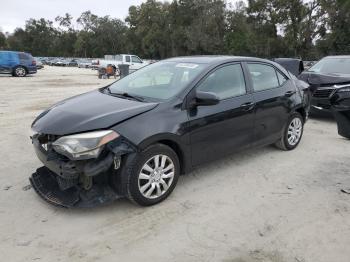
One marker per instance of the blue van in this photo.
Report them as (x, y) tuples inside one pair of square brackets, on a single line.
[(17, 63)]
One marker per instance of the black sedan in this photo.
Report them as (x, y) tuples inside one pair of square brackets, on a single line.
[(135, 137), (324, 78)]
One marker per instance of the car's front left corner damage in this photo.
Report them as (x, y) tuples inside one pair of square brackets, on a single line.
[(67, 182)]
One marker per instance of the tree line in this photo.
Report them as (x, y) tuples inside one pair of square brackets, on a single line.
[(308, 29)]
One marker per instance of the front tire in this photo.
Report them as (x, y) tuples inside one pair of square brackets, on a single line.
[(153, 175), (20, 71), (292, 133)]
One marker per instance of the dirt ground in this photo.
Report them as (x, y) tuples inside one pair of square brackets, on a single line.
[(258, 205)]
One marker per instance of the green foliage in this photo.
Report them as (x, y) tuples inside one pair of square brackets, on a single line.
[(336, 39), (156, 29), (3, 41)]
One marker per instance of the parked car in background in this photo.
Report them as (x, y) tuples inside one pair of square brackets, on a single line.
[(95, 64), (39, 64), (70, 62), (44, 60), (135, 137), (324, 78), (84, 63), (59, 62), (308, 64), (133, 61), (50, 61), (293, 65), (17, 63)]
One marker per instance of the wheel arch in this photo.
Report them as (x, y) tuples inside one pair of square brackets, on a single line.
[(16, 66), (175, 144), (177, 149), (301, 111)]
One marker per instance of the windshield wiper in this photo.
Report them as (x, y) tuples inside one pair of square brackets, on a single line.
[(127, 95)]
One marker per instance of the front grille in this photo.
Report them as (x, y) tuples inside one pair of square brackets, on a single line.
[(45, 139), (322, 93)]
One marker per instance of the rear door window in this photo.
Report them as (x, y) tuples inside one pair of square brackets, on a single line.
[(264, 77)]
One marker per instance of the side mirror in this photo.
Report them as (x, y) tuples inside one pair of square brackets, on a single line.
[(205, 99)]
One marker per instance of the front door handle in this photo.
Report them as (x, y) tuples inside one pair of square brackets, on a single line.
[(289, 93), (248, 106)]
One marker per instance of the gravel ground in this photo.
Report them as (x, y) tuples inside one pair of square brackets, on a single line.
[(258, 205)]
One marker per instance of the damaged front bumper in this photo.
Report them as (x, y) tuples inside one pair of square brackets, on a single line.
[(44, 182), (78, 183)]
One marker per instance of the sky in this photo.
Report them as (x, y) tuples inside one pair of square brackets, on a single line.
[(14, 13)]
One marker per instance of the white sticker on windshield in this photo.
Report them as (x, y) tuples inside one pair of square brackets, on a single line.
[(187, 65)]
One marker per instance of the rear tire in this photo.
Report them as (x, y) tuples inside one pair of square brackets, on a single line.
[(152, 175), (292, 133), (19, 71)]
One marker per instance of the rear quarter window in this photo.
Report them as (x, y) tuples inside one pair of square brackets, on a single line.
[(23, 56), (281, 78)]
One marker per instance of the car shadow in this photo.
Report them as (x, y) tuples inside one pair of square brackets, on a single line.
[(322, 116), (203, 172), (233, 160)]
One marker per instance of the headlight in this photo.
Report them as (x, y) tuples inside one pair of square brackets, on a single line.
[(85, 145), (344, 89)]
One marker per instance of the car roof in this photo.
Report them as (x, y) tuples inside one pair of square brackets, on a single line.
[(286, 59), (11, 51), (214, 59), (14, 52), (337, 56)]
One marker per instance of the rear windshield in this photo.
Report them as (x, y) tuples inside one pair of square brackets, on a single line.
[(332, 65)]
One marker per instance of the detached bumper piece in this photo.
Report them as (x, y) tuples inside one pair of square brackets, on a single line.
[(341, 110), (343, 123), (45, 183)]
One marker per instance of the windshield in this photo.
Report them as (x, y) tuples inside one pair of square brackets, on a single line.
[(332, 65), (160, 81)]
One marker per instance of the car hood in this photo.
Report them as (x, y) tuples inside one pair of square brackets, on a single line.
[(318, 80), (86, 112)]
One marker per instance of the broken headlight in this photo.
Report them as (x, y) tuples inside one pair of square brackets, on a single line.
[(85, 145)]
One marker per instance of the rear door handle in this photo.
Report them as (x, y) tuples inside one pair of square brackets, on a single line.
[(289, 93), (248, 106)]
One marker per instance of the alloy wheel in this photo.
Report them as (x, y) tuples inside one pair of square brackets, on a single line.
[(20, 71), (156, 176), (294, 131)]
